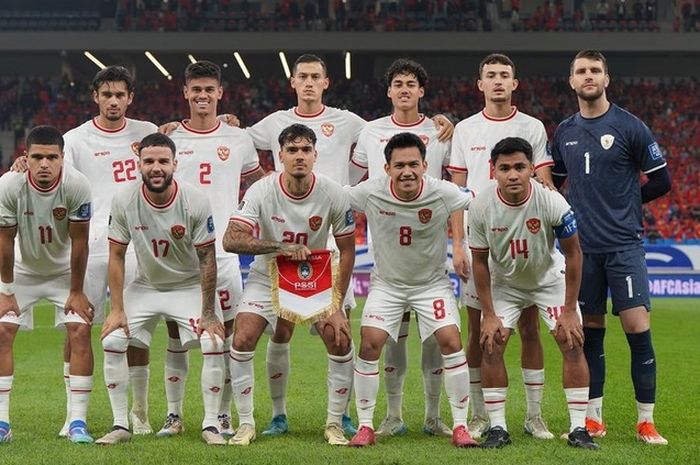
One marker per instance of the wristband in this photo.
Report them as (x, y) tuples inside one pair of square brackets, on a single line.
[(7, 288)]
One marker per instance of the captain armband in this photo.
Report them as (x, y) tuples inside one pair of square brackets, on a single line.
[(567, 228)]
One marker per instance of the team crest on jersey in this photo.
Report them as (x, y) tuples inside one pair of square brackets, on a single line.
[(223, 152), (607, 141), (178, 231), (135, 147), (533, 225), (315, 222), (59, 213), (305, 271), (425, 139), (327, 129), (424, 215)]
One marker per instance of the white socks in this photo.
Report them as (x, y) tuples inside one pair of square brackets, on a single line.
[(395, 364), (475, 393), (212, 380), (534, 387), (366, 381), (457, 386), (5, 388), (277, 364), (432, 366), (116, 376), (176, 368), (595, 409), (138, 377), (243, 384), (225, 407), (340, 374), (645, 412), (80, 389), (577, 401), (495, 401), (66, 382)]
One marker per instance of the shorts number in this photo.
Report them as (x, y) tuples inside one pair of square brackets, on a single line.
[(224, 297), (439, 309), (554, 312), (124, 170), (405, 235), (194, 324), (204, 173), (290, 237), (630, 289), (46, 234), (518, 247), (160, 247)]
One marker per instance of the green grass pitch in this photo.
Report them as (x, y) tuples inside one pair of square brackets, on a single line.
[(37, 408)]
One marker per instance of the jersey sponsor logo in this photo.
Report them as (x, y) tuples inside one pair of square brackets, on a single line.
[(84, 211), (655, 151), (223, 152), (384, 212), (607, 141), (277, 219), (59, 213), (571, 142), (424, 138), (349, 217), (103, 153), (533, 225), (315, 222), (424, 215), (29, 213), (177, 231), (185, 152), (139, 227), (499, 229), (135, 146), (241, 205), (210, 224), (327, 129), (478, 148)]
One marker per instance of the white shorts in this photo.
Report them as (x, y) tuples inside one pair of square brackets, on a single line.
[(96, 281), (145, 306), (434, 304), (468, 294), (509, 303), (30, 289), (229, 287), (349, 302)]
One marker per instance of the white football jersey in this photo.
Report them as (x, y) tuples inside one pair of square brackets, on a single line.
[(336, 131), (409, 237), (304, 220), (165, 237), (369, 152), (519, 238), (214, 161), (42, 217), (476, 136), (108, 159)]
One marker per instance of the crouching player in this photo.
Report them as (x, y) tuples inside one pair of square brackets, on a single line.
[(512, 229), (407, 214)]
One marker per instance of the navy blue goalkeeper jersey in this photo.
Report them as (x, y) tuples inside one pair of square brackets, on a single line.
[(602, 158)]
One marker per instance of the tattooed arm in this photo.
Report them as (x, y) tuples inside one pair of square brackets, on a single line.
[(239, 239), (250, 178), (207, 269)]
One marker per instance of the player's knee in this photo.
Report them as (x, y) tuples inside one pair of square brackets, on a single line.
[(7, 334), (115, 341), (594, 321), (228, 328), (370, 350), (243, 341), (79, 334)]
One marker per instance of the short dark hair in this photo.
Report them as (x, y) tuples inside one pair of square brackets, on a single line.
[(44, 135), (309, 58), (157, 140), (509, 146), (113, 74), (294, 132), (202, 69), (404, 140), (594, 55), (406, 66), (496, 59)]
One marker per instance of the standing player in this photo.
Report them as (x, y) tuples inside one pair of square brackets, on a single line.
[(512, 233), (172, 229), (602, 149), (407, 215), (294, 210), (406, 81), (471, 166), (214, 157), (49, 207)]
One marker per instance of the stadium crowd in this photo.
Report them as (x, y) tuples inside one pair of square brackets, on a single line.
[(673, 117)]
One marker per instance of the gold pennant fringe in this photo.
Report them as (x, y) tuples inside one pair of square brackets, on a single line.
[(288, 313)]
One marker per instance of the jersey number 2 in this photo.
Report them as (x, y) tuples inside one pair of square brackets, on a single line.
[(205, 173)]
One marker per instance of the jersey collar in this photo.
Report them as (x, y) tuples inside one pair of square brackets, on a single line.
[(513, 112), (108, 131), (519, 204), (167, 204)]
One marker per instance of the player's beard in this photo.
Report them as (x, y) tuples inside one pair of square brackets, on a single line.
[(590, 97), (166, 183)]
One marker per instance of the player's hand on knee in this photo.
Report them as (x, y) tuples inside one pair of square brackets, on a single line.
[(492, 331), (569, 328), (8, 304), (339, 324), (215, 328), (297, 252), (79, 304), (19, 165), (113, 322), (445, 126), (230, 120), (168, 128)]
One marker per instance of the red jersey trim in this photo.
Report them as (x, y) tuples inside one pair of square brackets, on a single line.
[(420, 191), (78, 221), (52, 187), (522, 202), (340, 236), (204, 244), (108, 131), (9, 227), (111, 239), (245, 222), (305, 115), (513, 112), (303, 196), (170, 201), (543, 165), (352, 160), (459, 169), (208, 131), (479, 249), (409, 125), (246, 173)]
